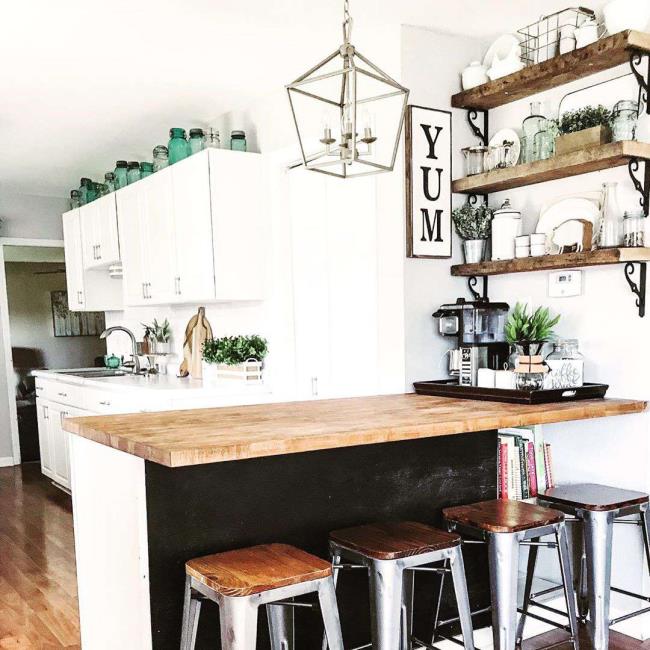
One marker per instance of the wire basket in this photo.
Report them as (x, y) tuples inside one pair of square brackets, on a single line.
[(541, 40)]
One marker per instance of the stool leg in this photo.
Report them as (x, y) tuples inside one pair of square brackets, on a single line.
[(336, 560), (645, 527), (191, 611), (580, 572), (238, 619), (385, 604), (281, 626), (441, 587), (408, 585), (530, 575), (462, 597), (567, 581), (330, 613), (598, 531), (503, 556)]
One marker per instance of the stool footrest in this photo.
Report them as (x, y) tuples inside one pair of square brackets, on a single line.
[(543, 592), (631, 594), (430, 646), (625, 617), (455, 619), (548, 621)]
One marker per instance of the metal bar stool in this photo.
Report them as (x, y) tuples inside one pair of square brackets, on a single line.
[(598, 508), (391, 553), (240, 581), (506, 526)]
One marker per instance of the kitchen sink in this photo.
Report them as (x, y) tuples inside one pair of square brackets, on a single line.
[(99, 372)]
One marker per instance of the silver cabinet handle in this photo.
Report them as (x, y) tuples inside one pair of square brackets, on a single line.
[(177, 281), (149, 290), (144, 295), (80, 299), (46, 413), (314, 386), (63, 416), (62, 394), (105, 403), (99, 251)]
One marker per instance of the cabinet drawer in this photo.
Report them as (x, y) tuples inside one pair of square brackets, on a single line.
[(105, 402), (66, 394), (43, 388)]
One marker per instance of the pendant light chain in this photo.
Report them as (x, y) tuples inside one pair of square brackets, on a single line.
[(347, 22)]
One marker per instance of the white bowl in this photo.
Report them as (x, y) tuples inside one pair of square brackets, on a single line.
[(626, 14)]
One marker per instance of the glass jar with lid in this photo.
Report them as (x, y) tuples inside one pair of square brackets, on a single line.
[(74, 199), (121, 170), (109, 181), (238, 140), (178, 146), (92, 191), (196, 141), (566, 365), (160, 157), (476, 159), (146, 169), (133, 172), (624, 120), (102, 189), (212, 140), (84, 184), (610, 231), (634, 229)]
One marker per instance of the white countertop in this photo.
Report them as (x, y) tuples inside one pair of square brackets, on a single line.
[(164, 385)]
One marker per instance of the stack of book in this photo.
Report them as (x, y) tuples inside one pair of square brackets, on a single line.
[(524, 463)]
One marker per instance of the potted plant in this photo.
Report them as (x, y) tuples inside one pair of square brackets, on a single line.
[(473, 224), (158, 336), (582, 128), (234, 358), (528, 332)]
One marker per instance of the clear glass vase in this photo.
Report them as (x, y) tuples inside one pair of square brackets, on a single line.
[(610, 230)]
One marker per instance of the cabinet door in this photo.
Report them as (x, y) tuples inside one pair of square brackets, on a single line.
[(130, 208), (74, 260), (108, 244), (43, 419), (59, 445), (88, 225), (194, 264)]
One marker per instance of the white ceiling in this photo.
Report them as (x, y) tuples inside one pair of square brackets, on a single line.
[(86, 82)]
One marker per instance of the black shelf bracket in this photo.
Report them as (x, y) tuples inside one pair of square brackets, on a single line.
[(636, 60), (472, 116), (639, 290), (641, 186), (472, 281)]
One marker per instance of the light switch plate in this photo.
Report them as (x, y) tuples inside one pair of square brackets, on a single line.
[(564, 284)]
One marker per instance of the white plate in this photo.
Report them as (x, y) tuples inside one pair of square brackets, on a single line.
[(502, 50), (508, 135), (595, 196), (565, 210)]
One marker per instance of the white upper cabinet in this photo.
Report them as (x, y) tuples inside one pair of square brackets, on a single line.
[(99, 238), (74, 260)]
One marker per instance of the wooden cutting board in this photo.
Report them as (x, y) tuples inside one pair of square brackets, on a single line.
[(198, 330)]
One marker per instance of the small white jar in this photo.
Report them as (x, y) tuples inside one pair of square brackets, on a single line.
[(474, 75)]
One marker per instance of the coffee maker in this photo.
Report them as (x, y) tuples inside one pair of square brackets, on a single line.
[(479, 328)]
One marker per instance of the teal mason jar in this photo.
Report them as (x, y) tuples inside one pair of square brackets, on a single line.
[(178, 146), (92, 191), (146, 169), (109, 181), (84, 184), (133, 172), (121, 169), (197, 141), (238, 141)]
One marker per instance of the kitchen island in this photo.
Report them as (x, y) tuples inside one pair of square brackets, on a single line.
[(152, 490)]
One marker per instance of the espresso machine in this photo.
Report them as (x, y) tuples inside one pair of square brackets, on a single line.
[(479, 329)]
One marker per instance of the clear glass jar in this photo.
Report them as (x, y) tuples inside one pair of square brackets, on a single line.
[(178, 146), (146, 169), (544, 144), (531, 126), (212, 140), (109, 181), (74, 199), (610, 231), (238, 140), (634, 229), (566, 365), (121, 170), (133, 172), (624, 120), (160, 157), (84, 184), (196, 141)]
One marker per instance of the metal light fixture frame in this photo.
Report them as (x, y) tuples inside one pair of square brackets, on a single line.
[(323, 161)]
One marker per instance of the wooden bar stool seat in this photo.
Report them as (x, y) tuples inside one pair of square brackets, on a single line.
[(592, 496), (503, 516), (252, 570), (393, 540), (241, 580)]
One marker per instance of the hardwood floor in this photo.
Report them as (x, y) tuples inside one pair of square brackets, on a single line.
[(38, 590)]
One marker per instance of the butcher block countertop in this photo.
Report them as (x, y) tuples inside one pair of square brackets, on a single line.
[(179, 438)]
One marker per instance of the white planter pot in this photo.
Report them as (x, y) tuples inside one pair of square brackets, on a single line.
[(209, 372), (249, 372)]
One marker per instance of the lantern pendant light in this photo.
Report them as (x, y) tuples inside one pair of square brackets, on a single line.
[(348, 113)]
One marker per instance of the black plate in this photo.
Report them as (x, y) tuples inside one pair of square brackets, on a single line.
[(450, 388)]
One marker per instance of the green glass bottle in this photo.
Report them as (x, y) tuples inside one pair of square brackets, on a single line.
[(146, 169), (133, 172), (238, 141), (84, 183), (121, 169), (178, 146), (197, 141)]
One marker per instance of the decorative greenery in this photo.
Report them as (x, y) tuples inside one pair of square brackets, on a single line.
[(584, 118), (232, 350), (159, 332), (473, 222), (522, 327)]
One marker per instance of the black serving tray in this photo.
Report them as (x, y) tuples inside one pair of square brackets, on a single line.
[(450, 388)]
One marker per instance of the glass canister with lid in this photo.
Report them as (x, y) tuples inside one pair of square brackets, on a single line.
[(74, 199), (212, 140), (566, 365), (178, 146), (133, 172), (146, 169), (109, 181), (84, 185), (634, 229), (196, 141), (238, 140), (160, 157), (624, 120), (121, 170), (476, 159)]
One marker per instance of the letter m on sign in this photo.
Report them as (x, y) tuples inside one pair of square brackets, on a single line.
[(430, 227)]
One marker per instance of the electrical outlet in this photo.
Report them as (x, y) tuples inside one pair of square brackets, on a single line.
[(564, 284)]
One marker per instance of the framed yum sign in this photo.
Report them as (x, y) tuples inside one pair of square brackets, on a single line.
[(428, 182)]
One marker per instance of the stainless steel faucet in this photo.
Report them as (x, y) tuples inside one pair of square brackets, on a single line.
[(134, 343)]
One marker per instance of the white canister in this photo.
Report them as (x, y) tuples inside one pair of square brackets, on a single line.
[(504, 379), (506, 227), (485, 378), (537, 250), (474, 75)]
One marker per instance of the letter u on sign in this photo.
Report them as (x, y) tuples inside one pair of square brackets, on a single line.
[(428, 182)]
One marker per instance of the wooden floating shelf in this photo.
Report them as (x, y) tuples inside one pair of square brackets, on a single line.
[(575, 163), (598, 257), (602, 55)]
